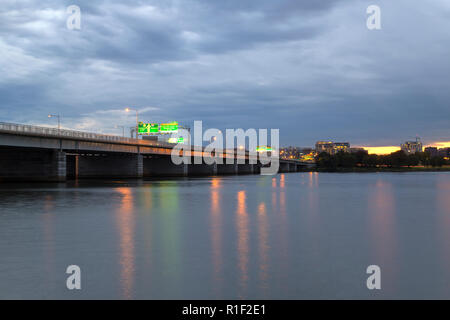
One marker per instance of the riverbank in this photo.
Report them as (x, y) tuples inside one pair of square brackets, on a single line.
[(381, 169)]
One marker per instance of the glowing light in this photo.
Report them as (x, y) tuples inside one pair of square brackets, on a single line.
[(242, 222), (381, 150), (154, 128), (440, 144), (126, 224), (169, 127), (389, 149), (263, 149)]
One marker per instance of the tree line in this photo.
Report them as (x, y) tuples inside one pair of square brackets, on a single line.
[(362, 159)]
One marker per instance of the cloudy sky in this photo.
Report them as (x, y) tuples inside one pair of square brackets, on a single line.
[(310, 68)]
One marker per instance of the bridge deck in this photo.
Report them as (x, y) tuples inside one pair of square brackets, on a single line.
[(20, 135)]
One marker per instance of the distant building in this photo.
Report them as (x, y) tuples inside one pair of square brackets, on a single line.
[(432, 151), (444, 152), (324, 146), (296, 152), (341, 146), (331, 147), (411, 147), (290, 153)]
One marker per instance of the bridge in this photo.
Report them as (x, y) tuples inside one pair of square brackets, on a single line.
[(32, 153)]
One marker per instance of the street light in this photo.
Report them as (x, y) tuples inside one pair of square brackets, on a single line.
[(59, 119), (137, 121)]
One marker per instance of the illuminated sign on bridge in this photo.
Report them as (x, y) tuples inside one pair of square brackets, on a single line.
[(155, 128)]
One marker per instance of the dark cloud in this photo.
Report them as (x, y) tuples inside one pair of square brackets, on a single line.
[(310, 68)]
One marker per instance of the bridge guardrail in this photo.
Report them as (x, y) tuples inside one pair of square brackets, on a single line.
[(67, 134), (64, 133)]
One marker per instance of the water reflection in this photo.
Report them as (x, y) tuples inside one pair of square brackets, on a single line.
[(263, 247), (48, 217), (243, 247), (443, 223), (147, 199), (274, 194), (125, 223), (313, 213), (171, 220), (209, 234), (382, 226), (216, 235), (283, 232), (148, 204), (313, 179)]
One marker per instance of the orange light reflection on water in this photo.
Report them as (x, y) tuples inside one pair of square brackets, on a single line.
[(243, 246), (263, 247), (381, 206), (126, 224), (216, 235)]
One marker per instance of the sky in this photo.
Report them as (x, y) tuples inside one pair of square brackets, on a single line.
[(309, 68)]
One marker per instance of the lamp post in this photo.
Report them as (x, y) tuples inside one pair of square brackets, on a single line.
[(59, 128), (59, 119), (137, 121)]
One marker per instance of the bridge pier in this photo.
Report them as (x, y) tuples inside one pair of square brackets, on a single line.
[(110, 166), (72, 163), (224, 169), (202, 169), (163, 166), (284, 167), (247, 168), (292, 167), (23, 164)]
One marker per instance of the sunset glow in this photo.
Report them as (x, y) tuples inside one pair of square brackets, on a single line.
[(381, 150), (441, 144), (389, 149)]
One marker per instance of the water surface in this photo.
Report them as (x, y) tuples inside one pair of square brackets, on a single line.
[(291, 236)]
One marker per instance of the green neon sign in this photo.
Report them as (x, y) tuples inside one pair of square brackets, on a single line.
[(154, 128), (171, 127), (143, 128), (263, 149)]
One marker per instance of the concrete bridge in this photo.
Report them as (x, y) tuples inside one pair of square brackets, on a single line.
[(31, 153)]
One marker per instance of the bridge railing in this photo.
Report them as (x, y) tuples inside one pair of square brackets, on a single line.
[(64, 133), (73, 134)]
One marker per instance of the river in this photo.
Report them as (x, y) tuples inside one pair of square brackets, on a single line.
[(290, 236)]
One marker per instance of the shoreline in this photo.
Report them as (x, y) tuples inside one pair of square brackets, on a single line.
[(368, 170)]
